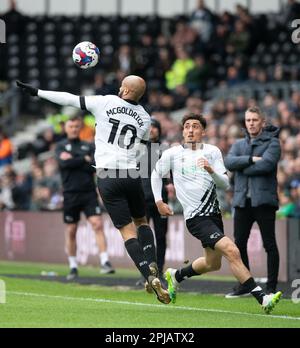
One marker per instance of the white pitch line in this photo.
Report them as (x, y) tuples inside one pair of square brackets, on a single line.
[(169, 307)]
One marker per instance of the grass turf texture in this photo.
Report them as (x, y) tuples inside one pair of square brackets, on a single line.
[(35, 303)]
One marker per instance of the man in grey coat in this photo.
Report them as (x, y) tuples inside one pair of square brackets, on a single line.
[(253, 160)]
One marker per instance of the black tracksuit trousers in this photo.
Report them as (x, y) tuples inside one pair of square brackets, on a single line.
[(265, 217)]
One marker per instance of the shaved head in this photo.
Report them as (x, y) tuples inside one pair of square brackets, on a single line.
[(133, 87)]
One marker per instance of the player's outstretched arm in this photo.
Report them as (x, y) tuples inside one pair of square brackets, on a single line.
[(61, 98)]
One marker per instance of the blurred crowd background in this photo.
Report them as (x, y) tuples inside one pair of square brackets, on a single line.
[(218, 64)]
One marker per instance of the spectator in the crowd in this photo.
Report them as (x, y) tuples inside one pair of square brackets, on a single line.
[(7, 182), (227, 19), (182, 65), (100, 86), (239, 39), (197, 77), (14, 20), (6, 150), (194, 105), (87, 132), (262, 76), (294, 103), (202, 21), (295, 213), (124, 60), (44, 142), (167, 102), (161, 66), (233, 78), (51, 177), (269, 106), (288, 199), (21, 191), (279, 74), (15, 190), (217, 45), (153, 103), (290, 11), (184, 35), (145, 55), (41, 194)]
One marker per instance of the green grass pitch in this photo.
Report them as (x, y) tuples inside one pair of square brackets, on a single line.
[(37, 303)]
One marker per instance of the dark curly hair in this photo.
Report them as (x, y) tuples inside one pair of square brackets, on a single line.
[(192, 116)]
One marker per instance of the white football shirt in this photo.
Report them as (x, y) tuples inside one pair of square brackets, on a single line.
[(120, 127), (195, 188)]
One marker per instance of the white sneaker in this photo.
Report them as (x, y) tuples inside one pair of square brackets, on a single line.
[(270, 301), (173, 284), (107, 268)]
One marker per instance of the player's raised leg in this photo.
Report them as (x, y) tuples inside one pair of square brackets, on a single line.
[(211, 261), (146, 240), (136, 253), (231, 252)]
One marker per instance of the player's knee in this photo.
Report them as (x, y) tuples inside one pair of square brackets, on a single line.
[(97, 225)]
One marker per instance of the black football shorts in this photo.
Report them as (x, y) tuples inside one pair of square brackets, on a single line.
[(208, 229), (77, 202), (122, 194)]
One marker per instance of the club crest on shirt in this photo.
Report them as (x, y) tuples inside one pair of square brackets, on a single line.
[(68, 147)]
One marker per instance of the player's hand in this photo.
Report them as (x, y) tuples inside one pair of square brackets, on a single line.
[(88, 158), (27, 88), (65, 156), (203, 163), (164, 209), (256, 159)]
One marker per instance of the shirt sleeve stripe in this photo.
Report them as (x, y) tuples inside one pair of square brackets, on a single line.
[(82, 103)]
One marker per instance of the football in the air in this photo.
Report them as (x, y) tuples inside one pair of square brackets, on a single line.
[(85, 55)]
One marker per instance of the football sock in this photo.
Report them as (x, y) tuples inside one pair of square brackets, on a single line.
[(254, 289), (103, 258), (72, 262), (146, 240), (136, 253), (184, 273)]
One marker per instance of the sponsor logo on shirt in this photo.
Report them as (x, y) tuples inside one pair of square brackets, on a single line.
[(84, 148)]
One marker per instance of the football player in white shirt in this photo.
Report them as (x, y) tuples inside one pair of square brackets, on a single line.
[(197, 170), (122, 125)]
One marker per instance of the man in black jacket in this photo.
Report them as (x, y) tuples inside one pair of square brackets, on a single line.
[(154, 150), (75, 158), (253, 160)]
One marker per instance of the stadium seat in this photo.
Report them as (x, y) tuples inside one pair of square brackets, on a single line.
[(33, 73), (31, 50)]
